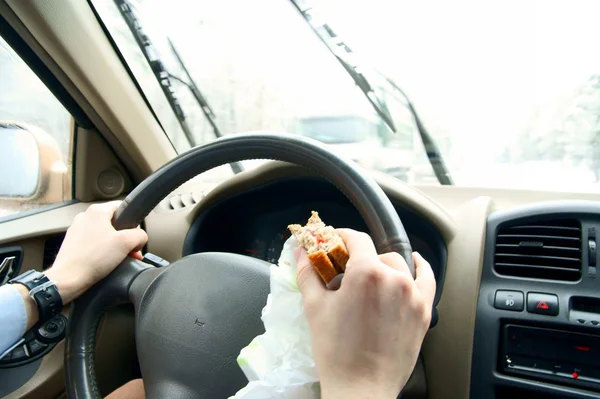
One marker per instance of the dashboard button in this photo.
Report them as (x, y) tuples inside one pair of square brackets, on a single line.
[(53, 330), (546, 304), (36, 347), (509, 300), (155, 260), (19, 353)]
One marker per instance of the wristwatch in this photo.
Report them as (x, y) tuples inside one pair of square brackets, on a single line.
[(43, 291)]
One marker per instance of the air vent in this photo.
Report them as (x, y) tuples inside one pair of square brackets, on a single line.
[(51, 248), (547, 250), (179, 201)]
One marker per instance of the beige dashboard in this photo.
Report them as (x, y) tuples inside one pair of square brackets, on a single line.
[(458, 213)]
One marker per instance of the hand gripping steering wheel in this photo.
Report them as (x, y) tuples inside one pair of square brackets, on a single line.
[(194, 316)]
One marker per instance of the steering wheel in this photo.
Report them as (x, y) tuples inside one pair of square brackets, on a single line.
[(194, 316)]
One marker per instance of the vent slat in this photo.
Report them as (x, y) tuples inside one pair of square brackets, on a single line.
[(51, 248), (548, 273), (548, 268), (544, 227), (546, 249), (177, 202), (538, 237), (542, 257)]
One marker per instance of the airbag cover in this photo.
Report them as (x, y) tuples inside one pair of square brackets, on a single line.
[(193, 320)]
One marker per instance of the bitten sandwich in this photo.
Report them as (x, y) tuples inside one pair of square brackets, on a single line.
[(326, 249)]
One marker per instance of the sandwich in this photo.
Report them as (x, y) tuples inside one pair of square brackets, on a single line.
[(326, 249)]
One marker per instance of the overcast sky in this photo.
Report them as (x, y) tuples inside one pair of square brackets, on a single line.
[(495, 60)]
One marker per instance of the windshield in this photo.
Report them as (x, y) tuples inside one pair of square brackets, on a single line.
[(510, 99)]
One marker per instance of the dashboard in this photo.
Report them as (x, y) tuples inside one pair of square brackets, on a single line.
[(518, 296), (537, 329), (254, 222)]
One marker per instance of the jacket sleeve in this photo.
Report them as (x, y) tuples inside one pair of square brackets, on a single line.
[(13, 317)]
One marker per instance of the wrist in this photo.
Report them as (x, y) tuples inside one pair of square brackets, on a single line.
[(30, 306), (68, 286)]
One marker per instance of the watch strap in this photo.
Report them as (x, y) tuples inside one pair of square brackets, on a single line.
[(48, 300), (43, 292), (30, 279)]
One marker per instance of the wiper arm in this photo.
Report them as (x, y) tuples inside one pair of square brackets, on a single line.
[(202, 103), (342, 53), (434, 155), (163, 77), (158, 69)]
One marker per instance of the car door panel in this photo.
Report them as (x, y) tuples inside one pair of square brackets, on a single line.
[(38, 238), (43, 377)]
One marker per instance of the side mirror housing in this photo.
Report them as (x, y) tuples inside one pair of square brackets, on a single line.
[(32, 169)]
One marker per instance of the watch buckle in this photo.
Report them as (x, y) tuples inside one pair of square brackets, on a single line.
[(41, 287)]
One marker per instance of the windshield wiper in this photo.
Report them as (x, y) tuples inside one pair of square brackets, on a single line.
[(202, 103), (163, 76), (158, 68), (343, 54), (431, 148)]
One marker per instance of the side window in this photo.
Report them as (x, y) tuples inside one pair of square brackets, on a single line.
[(35, 139)]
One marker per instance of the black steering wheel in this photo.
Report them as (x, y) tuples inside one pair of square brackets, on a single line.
[(195, 315)]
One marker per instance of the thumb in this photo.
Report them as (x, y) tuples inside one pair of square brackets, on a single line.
[(311, 285), (425, 279), (136, 255)]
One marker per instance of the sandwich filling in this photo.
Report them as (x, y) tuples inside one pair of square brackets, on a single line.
[(316, 236)]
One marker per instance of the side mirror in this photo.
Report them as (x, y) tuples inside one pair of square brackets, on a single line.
[(32, 169)]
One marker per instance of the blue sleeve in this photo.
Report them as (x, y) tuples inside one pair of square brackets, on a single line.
[(13, 316)]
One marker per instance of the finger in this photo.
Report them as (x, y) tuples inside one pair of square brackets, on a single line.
[(132, 240), (309, 281), (360, 247), (105, 208), (335, 282), (395, 261), (425, 279), (137, 255)]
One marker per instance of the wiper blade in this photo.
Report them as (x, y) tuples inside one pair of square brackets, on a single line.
[(366, 88), (343, 54), (163, 77), (202, 103), (434, 155)]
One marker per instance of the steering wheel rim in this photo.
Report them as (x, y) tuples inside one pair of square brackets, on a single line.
[(141, 284)]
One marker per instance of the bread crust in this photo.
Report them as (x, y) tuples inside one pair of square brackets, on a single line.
[(323, 265), (339, 257)]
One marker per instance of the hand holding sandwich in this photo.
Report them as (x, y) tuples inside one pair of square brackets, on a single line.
[(366, 336)]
